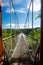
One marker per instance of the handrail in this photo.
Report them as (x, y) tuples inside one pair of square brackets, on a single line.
[(37, 51), (8, 37)]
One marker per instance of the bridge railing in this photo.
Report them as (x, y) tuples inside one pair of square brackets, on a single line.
[(8, 42), (33, 46)]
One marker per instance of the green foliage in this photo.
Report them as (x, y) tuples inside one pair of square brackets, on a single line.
[(39, 15), (34, 38), (4, 33), (35, 33), (7, 32)]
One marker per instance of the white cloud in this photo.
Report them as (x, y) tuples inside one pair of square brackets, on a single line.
[(21, 26), (13, 26), (8, 25), (8, 10), (36, 26), (21, 10), (36, 5), (17, 1), (7, 3)]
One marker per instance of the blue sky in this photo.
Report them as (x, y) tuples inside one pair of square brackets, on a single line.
[(21, 9)]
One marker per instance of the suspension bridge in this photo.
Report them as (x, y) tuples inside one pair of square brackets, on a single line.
[(21, 54)]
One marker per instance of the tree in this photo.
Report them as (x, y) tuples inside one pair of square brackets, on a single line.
[(38, 16)]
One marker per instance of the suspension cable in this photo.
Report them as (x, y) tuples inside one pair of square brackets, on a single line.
[(28, 15), (16, 21), (15, 13)]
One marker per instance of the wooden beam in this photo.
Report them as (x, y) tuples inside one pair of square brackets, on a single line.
[(0, 34), (41, 56)]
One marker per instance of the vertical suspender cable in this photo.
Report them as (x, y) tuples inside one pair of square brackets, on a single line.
[(32, 25), (10, 24), (15, 19), (28, 15), (28, 19), (32, 14), (32, 20), (15, 14)]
